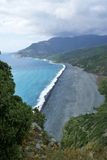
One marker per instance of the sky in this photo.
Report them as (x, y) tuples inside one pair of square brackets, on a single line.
[(23, 22)]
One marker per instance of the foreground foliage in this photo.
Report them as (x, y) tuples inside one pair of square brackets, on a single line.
[(16, 117), (39, 118), (77, 154)]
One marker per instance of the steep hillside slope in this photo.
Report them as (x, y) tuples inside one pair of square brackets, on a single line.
[(92, 59), (60, 45)]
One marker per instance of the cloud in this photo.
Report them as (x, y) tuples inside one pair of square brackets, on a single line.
[(27, 21)]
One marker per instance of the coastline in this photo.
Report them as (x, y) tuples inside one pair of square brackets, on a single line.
[(69, 98), (44, 94), (46, 91)]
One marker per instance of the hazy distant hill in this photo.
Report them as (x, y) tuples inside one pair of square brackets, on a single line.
[(60, 45), (91, 59)]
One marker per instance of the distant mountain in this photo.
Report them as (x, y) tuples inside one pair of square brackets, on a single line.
[(60, 45)]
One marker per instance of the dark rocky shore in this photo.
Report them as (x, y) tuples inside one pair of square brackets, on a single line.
[(74, 94)]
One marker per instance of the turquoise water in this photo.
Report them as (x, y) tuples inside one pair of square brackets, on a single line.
[(31, 76)]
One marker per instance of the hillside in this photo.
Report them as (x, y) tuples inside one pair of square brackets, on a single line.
[(59, 45), (92, 59)]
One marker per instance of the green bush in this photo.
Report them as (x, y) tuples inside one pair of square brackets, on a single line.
[(39, 118), (15, 117), (103, 87)]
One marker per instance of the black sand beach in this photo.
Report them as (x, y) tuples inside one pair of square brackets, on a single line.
[(75, 93)]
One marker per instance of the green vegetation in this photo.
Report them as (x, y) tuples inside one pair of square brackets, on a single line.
[(88, 129), (103, 87), (39, 118), (22, 134), (16, 117), (78, 154), (92, 60)]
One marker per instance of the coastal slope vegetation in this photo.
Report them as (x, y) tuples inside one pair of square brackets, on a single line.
[(93, 60), (15, 116), (16, 119), (60, 45)]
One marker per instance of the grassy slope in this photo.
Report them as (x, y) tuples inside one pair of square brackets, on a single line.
[(92, 60), (87, 129)]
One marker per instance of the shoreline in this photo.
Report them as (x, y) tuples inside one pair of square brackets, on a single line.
[(46, 91), (44, 94), (69, 98)]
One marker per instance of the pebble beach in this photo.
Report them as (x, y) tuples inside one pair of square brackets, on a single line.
[(75, 93)]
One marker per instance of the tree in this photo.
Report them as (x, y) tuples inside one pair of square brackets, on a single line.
[(15, 116)]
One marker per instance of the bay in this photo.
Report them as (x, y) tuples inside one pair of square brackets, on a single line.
[(31, 76)]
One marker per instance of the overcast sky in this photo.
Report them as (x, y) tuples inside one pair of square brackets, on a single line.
[(23, 22)]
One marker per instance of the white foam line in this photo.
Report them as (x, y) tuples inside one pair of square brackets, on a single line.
[(46, 60), (42, 98)]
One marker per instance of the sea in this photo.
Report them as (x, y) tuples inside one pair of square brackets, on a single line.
[(31, 76)]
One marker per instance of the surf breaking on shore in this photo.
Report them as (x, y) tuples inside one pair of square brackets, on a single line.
[(42, 98)]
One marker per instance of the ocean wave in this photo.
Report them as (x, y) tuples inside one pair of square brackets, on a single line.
[(42, 98)]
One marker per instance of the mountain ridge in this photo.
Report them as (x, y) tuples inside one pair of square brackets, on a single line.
[(59, 45)]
